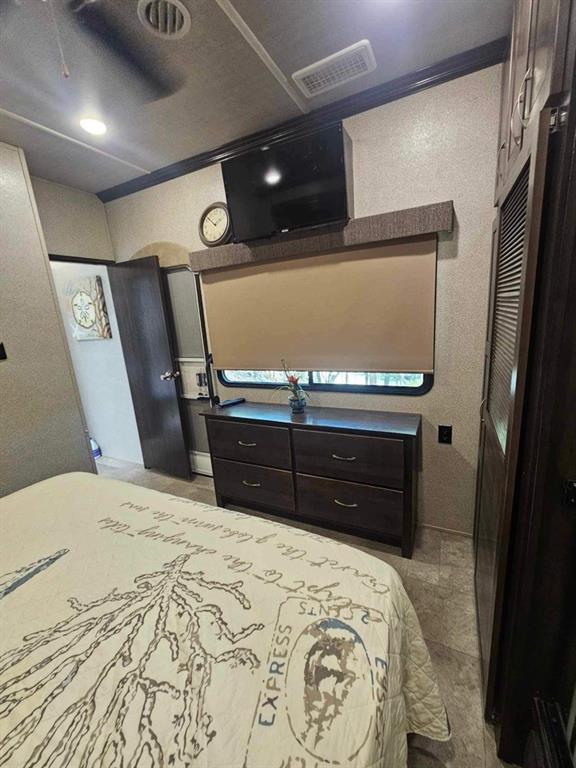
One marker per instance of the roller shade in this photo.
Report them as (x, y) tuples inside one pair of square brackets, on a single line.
[(369, 309)]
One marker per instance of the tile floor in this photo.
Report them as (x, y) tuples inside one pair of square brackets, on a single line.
[(439, 580)]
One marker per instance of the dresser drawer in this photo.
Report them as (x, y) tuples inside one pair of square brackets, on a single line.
[(253, 484), (375, 460), (269, 446), (361, 506)]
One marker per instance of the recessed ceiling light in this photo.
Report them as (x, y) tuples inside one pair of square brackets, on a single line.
[(93, 126)]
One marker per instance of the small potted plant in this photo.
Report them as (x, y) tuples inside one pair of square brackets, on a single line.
[(297, 398)]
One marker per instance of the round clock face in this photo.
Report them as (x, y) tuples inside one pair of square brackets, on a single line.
[(83, 309), (215, 224)]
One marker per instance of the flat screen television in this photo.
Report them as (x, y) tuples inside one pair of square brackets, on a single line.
[(288, 185)]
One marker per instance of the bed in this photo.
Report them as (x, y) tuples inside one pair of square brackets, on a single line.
[(140, 629)]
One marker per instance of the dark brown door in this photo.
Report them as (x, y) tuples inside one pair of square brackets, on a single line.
[(138, 292), (515, 249)]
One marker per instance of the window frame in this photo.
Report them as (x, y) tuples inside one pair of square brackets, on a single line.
[(360, 389)]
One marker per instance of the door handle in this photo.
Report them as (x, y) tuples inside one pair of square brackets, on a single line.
[(251, 485), (500, 148), (246, 445), (343, 458), (482, 404), (169, 375), (520, 100), (569, 492), (343, 504)]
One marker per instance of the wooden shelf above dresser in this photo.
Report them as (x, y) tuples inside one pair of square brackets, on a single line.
[(347, 469), (395, 225)]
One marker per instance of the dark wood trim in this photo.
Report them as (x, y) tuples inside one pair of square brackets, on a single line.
[(359, 389), (480, 536), (79, 259), (455, 66), (419, 221), (214, 399), (356, 421)]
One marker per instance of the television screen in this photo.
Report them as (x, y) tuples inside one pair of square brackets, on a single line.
[(289, 185)]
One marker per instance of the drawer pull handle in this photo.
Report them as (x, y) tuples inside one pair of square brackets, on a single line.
[(343, 458), (251, 485), (246, 445), (343, 504)]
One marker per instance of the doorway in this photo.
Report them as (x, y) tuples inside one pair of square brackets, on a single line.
[(122, 322), (97, 358)]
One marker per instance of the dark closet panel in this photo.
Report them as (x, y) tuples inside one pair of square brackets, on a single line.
[(540, 654), (508, 346), (525, 527), (510, 296), (489, 513)]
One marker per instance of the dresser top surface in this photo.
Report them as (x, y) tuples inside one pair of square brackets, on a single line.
[(377, 422)]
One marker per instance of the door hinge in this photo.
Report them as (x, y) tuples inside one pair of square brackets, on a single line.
[(569, 492), (558, 118)]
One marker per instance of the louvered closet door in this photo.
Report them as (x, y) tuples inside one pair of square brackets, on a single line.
[(503, 337), (506, 307)]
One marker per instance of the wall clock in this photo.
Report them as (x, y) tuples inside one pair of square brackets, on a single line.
[(215, 226)]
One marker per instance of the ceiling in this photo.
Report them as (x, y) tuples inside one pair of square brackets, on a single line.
[(225, 66)]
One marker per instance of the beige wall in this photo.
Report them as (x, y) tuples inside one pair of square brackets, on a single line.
[(74, 222), (436, 145), (167, 213), (42, 429)]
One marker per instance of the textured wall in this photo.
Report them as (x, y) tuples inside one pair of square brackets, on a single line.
[(42, 426), (439, 144), (100, 369), (169, 212), (74, 222)]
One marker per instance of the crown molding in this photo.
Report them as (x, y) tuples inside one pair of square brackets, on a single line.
[(456, 66)]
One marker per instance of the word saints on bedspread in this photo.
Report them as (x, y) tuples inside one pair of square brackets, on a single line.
[(323, 677)]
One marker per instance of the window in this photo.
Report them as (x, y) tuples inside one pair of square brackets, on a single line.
[(335, 381)]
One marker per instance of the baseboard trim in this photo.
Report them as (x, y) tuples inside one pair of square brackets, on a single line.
[(201, 463)]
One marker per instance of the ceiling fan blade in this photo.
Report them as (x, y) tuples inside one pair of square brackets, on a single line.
[(7, 7), (97, 19)]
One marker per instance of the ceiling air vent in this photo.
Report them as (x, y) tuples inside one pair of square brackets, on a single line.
[(169, 19), (339, 68)]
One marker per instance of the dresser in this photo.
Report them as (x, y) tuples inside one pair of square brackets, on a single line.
[(351, 470)]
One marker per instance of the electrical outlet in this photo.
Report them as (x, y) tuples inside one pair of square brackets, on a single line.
[(445, 433)]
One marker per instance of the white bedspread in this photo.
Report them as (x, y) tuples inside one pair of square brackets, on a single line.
[(139, 629)]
